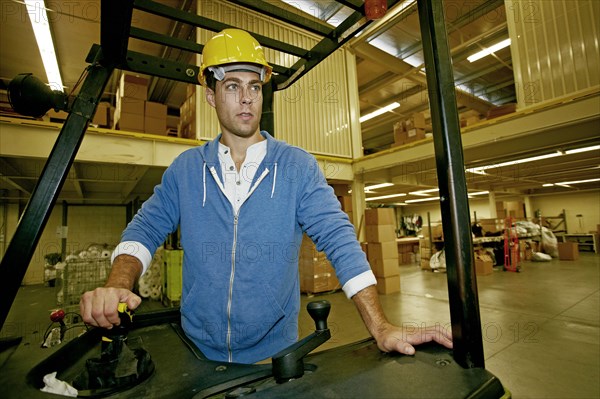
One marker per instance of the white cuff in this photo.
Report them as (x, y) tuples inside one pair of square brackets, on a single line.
[(136, 250), (358, 283)]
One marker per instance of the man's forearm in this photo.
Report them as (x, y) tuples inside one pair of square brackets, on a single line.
[(368, 305), (126, 270)]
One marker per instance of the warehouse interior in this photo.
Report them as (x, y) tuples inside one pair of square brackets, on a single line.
[(529, 122)]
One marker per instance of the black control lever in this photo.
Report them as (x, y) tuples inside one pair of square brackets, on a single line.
[(288, 364)]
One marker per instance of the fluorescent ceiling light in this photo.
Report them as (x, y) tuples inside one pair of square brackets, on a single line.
[(36, 9), (566, 183), (584, 149), (480, 193), (489, 50), (380, 111), (481, 169), (425, 192), (422, 200), (376, 186), (385, 197)]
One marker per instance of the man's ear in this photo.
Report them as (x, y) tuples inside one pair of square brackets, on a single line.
[(210, 97)]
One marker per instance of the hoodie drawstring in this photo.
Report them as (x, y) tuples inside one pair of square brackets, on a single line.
[(204, 184), (274, 180)]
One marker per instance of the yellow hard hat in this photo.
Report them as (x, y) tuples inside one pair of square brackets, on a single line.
[(233, 46)]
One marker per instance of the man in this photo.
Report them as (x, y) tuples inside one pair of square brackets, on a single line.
[(243, 202)]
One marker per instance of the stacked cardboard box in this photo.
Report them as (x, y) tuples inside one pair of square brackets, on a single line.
[(104, 115), (155, 118), (132, 94), (409, 130), (187, 114), (407, 253), (341, 192), (133, 110), (425, 252), (382, 248), (316, 273)]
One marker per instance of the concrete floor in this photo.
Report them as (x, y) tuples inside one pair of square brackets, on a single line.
[(541, 327)]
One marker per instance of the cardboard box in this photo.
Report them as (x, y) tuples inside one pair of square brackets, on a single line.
[(187, 130), (415, 134), (424, 243), (380, 233), (130, 122), (382, 250), (345, 202), (155, 110), (155, 118), (568, 251), (134, 86), (416, 121), (385, 267), (156, 126), (102, 117), (483, 264), (375, 216), (316, 273), (405, 248), (388, 285), (365, 247), (437, 231), (483, 267), (340, 189), (400, 137), (187, 111), (131, 106)]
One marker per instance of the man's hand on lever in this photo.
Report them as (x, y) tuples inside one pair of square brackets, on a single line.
[(390, 337), (100, 307)]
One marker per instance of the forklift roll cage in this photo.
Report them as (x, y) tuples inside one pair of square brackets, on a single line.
[(113, 53)]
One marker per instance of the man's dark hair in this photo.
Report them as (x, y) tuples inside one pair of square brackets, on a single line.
[(211, 82)]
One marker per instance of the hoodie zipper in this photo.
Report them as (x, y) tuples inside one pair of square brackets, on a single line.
[(231, 277), (233, 251)]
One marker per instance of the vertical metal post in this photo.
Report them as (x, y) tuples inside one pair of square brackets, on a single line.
[(63, 238), (458, 244), (31, 225), (267, 121)]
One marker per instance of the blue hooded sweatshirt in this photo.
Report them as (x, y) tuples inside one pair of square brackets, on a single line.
[(240, 295)]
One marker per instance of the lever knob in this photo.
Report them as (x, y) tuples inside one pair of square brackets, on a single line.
[(319, 310)]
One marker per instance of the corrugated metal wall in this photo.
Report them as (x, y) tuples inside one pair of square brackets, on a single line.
[(554, 46), (314, 112)]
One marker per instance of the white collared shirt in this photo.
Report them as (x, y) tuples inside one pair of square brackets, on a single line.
[(236, 184)]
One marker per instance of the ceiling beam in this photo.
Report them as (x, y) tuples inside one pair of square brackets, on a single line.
[(135, 177), (75, 181)]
